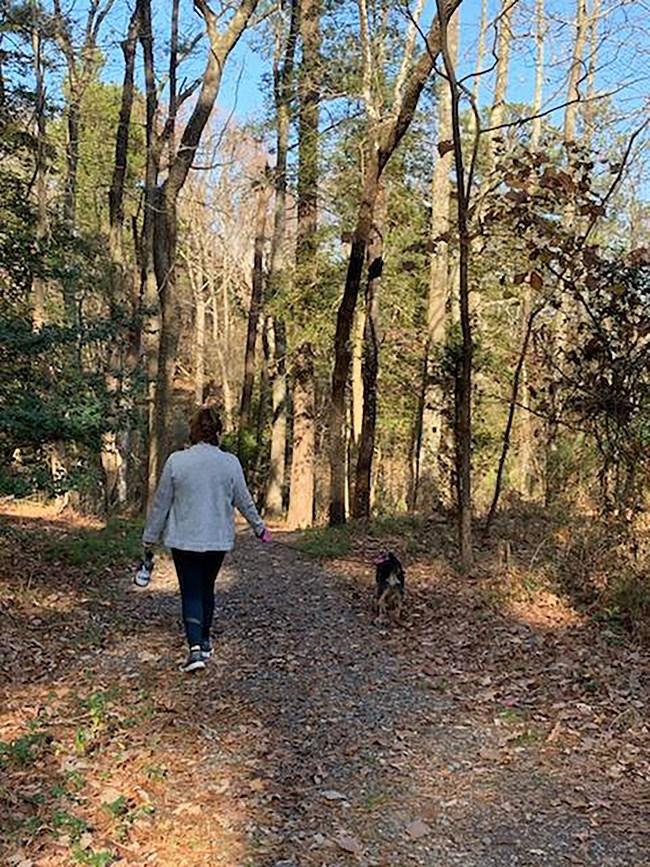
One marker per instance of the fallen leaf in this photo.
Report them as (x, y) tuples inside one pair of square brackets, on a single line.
[(417, 829), (331, 795), (85, 841), (349, 844), (109, 795)]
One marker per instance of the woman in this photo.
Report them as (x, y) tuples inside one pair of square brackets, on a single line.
[(194, 505)]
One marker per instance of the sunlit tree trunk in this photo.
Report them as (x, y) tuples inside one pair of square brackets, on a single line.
[(302, 477), (428, 477), (282, 79), (589, 106), (576, 72), (275, 485), (391, 133), (370, 366), (301, 492), (497, 112)]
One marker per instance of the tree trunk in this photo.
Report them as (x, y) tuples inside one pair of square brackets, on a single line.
[(275, 486), (480, 51), (254, 311), (40, 172), (576, 72), (116, 446), (428, 481), (301, 506), (370, 367), (463, 390), (199, 345), (588, 112), (301, 491), (392, 131), (357, 376), (282, 79), (497, 112), (164, 212)]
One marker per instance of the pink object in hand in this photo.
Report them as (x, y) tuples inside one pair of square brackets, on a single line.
[(266, 536)]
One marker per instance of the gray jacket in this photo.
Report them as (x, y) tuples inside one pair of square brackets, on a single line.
[(195, 501)]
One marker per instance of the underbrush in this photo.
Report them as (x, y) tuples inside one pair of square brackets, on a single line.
[(403, 533), (599, 565), (119, 541)]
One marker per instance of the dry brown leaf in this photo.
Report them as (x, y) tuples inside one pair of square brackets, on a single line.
[(349, 844), (417, 829)]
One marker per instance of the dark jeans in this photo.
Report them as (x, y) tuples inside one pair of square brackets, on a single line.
[(197, 571)]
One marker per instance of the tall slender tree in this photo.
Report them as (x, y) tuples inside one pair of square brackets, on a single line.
[(162, 205), (391, 128), (283, 90), (427, 476), (301, 492)]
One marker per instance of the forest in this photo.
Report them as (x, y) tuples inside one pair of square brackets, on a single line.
[(403, 248), (413, 277)]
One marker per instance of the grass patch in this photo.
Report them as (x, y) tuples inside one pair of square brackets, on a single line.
[(326, 541), (119, 542)]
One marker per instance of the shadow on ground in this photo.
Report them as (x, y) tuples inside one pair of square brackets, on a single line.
[(482, 734)]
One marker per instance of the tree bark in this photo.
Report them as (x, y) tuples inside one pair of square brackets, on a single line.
[(370, 366), (282, 80), (301, 506), (164, 211), (40, 172), (301, 490), (254, 311), (497, 112), (463, 390), (576, 72), (390, 133), (428, 479), (116, 446), (275, 487)]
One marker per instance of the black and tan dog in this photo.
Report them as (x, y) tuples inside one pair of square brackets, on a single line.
[(389, 589)]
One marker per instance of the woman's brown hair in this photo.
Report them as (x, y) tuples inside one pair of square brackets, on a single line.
[(205, 426)]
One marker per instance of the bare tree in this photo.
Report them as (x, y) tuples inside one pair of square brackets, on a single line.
[(160, 236), (301, 491), (427, 475), (282, 88), (391, 127)]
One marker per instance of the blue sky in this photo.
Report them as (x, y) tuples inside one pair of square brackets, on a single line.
[(623, 50), (623, 55)]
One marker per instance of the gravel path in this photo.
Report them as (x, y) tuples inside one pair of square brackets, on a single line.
[(356, 757), (314, 738)]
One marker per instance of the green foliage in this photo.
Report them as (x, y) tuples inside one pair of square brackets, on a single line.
[(23, 750), (326, 541), (91, 857), (119, 542)]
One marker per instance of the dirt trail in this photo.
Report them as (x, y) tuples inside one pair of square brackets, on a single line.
[(474, 737)]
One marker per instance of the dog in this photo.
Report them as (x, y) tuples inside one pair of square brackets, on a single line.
[(389, 589)]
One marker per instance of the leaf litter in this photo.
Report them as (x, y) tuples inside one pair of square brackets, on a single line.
[(479, 734)]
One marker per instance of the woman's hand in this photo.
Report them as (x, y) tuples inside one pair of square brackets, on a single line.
[(266, 536)]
